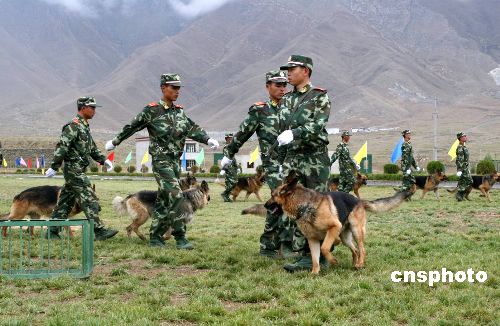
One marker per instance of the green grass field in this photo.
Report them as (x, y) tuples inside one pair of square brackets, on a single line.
[(225, 282)]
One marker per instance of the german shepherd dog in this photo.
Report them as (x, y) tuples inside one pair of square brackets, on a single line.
[(429, 183), (140, 206), (333, 183), (251, 185), (36, 202), (332, 217), (483, 183), (188, 182)]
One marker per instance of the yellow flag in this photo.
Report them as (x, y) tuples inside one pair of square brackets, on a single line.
[(254, 155), (362, 153), (453, 150), (4, 163), (145, 158)]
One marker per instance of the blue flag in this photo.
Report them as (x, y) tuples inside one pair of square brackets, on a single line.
[(42, 160), (396, 153), (183, 162)]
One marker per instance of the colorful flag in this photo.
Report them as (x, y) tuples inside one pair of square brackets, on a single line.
[(4, 163), (22, 162), (111, 156), (42, 160), (183, 161), (254, 155), (362, 153), (29, 163), (453, 150), (37, 163), (145, 158), (396, 153), (200, 157), (129, 157)]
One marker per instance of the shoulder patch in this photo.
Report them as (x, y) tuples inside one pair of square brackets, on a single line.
[(179, 106), (152, 104), (75, 120), (320, 89)]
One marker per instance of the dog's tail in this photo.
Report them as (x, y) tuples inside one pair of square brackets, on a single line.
[(452, 191), (385, 204), (258, 210), (4, 217), (119, 205)]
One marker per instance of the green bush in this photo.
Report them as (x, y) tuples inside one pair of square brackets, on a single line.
[(144, 169), (94, 169), (215, 169), (131, 168), (485, 167), (117, 168), (435, 166), (391, 169)]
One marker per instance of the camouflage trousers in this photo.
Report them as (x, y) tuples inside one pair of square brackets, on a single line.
[(408, 181), (313, 172), (346, 182), (77, 189), (464, 182), (231, 177), (167, 212), (277, 229)]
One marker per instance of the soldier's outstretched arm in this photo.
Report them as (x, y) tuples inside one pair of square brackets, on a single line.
[(138, 123), (96, 154), (196, 132), (68, 135), (335, 155), (245, 131), (315, 124)]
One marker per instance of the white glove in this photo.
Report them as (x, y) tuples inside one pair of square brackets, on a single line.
[(418, 168), (109, 145), (50, 173), (222, 172), (280, 170), (408, 172), (213, 143), (358, 167), (459, 173), (109, 165), (225, 161), (285, 138)]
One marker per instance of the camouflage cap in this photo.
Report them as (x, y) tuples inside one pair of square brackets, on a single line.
[(228, 135), (461, 134), (170, 79), (345, 133), (87, 101), (406, 131), (276, 76), (298, 61)]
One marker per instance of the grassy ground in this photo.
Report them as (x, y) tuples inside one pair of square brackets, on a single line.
[(224, 281)]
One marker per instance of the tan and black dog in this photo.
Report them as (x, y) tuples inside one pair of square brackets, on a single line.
[(140, 206), (329, 217), (429, 183), (483, 183), (36, 202), (333, 183), (251, 185), (188, 182)]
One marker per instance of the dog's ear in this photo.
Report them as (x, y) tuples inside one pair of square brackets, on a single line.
[(204, 186), (291, 175), (290, 183)]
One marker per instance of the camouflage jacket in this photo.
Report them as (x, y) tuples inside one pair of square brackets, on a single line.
[(168, 128), (76, 146), (346, 163), (407, 160), (262, 119), (305, 112), (462, 158)]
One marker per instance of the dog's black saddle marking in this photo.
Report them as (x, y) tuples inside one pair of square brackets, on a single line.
[(147, 196), (344, 203), (420, 181)]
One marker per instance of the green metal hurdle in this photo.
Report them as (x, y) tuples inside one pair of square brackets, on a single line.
[(23, 256)]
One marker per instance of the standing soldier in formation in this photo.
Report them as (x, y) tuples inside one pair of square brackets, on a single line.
[(303, 141), (230, 171), (168, 127), (74, 149), (1, 154), (407, 162), (263, 119), (347, 165), (462, 163)]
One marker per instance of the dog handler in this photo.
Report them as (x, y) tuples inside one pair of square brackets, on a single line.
[(347, 165), (168, 127)]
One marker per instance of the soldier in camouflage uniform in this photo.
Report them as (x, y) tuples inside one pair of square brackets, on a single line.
[(462, 162), (230, 173), (263, 119), (407, 162), (74, 148), (168, 127), (303, 141), (347, 165), (1, 154)]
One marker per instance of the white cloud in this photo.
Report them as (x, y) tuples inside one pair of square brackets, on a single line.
[(92, 7), (194, 8)]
